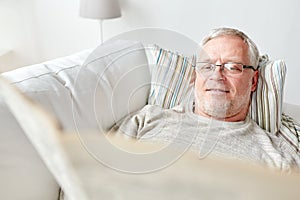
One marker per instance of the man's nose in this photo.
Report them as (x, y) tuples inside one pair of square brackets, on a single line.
[(217, 73)]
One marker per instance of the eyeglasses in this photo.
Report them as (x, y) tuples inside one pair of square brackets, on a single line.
[(229, 68)]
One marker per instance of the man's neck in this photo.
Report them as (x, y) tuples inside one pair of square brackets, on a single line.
[(241, 116)]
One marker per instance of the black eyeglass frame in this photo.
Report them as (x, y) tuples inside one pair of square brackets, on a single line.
[(222, 65)]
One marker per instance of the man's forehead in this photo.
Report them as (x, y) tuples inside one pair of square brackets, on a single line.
[(213, 58), (227, 47)]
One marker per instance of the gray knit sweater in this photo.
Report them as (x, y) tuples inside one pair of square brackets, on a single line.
[(243, 140)]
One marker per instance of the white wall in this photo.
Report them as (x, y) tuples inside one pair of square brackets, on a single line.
[(17, 33), (37, 30)]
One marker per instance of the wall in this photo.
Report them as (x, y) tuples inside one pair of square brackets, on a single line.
[(17, 33), (37, 30)]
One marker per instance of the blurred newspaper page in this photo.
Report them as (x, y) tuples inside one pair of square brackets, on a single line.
[(92, 165)]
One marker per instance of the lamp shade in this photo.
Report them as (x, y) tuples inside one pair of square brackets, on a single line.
[(99, 9)]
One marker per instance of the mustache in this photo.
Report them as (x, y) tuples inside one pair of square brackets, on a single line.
[(216, 86)]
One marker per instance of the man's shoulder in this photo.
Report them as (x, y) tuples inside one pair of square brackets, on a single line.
[(254, 124)]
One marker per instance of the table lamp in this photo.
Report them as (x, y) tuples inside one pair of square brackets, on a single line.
[(100, 10)]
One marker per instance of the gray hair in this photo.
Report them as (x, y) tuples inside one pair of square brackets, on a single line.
[(253, 50)]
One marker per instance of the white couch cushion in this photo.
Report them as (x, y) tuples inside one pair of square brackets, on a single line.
[(113, 81)]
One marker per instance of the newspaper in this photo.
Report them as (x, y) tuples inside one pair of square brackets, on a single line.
[(95, 165), (45, 134)]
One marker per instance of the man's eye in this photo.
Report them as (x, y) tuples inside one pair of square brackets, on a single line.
[(204, 66), (234, 67), (208, 66)]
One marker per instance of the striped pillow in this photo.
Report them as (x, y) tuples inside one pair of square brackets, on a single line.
[(171, 78), (266, 105)]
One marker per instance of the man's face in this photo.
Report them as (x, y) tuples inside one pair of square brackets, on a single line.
[(224, 97)]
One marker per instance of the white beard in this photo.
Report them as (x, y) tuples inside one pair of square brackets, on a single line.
[(220, 107), (214, 107)]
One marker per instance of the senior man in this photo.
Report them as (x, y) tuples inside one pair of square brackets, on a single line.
[(217, 121)]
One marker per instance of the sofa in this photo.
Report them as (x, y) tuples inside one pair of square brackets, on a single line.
[(89, 90)]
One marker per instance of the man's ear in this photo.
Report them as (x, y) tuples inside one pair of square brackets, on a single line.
[(254, 80), (193, 78)]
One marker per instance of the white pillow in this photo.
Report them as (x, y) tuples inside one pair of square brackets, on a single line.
[(113, 82)]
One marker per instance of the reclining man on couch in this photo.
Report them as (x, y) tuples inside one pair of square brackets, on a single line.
[(217, 122)]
